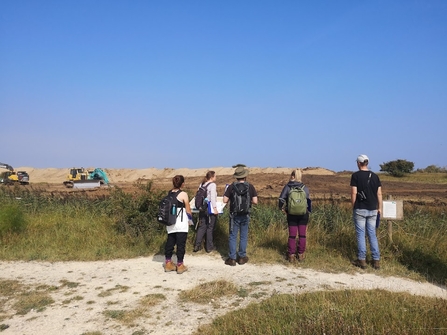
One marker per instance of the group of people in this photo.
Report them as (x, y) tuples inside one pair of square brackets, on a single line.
[(366, 200)]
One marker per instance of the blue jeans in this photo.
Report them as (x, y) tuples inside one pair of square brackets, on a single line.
[(365, 222), (240, 224)]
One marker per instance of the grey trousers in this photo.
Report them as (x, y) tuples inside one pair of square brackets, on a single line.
[(206, 229)]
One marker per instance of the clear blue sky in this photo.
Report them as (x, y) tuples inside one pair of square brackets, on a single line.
[(197, 84)]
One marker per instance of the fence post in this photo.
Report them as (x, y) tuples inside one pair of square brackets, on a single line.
[(390, 225)]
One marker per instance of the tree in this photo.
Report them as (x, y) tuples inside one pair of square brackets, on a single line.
[(397, 168), (433, 169)]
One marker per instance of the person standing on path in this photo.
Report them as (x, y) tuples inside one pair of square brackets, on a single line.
[(241, 195), (178, 232), (297, 224), (207, 221), (366, 200)]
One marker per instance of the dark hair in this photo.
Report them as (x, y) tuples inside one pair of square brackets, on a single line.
[(178, 180), (208, 176)]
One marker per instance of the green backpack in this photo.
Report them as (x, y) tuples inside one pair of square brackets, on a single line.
[(297, 201)]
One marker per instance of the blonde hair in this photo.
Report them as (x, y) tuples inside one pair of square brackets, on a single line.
[(296, 175)]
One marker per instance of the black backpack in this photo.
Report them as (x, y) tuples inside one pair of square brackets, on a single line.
[(240, 200), (167, 209), (201, 194)]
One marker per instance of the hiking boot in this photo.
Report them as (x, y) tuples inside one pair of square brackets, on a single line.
[(361, 263), (169, 266), (196, 248), (291, 258), (181, 268), (212, 250), (230, 262), (301, 257), (242, 260), (376, 265)]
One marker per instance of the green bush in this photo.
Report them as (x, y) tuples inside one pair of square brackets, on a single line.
[(433, 169), (134, 213), (397, 168), (12, 219)]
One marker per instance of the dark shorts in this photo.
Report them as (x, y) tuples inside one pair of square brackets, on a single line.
[(297, 220)]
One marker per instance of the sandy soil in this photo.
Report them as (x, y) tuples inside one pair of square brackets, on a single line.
[(143, 276)]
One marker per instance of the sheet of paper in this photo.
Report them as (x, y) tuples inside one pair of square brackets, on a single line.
[(389, 209), (219, 203)]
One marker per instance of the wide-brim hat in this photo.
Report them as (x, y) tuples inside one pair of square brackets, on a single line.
[(240, 172)]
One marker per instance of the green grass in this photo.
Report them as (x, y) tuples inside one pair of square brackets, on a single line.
[(143, 309), (339, 312)]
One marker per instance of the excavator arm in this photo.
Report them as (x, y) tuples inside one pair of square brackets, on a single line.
[(99, 174), (6, 166)]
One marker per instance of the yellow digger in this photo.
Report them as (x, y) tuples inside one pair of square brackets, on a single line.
[(82, 178), (11, 176)]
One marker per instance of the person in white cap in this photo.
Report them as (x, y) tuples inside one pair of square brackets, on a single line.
[(366, 199)]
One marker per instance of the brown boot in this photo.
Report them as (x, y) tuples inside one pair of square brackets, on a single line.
[(301, 257), (361, 263), (291, 258), (181, 268), (169, 266), (230, 262), (376, 265)]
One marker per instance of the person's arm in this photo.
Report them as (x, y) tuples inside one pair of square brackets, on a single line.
[(254, 200), (379, 198), (282, 200), (183, 196), (353, 195), (213, 196), (227, 193)]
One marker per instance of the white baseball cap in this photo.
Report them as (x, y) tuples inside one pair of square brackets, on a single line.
[(362, 158)]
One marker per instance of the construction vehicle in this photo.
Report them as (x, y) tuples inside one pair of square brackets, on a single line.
[(11, 176), (82, 178)]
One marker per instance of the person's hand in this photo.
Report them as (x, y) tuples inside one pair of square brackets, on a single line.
[(215, 211)]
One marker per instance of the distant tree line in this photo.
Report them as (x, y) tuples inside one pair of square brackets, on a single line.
[(400, 167)]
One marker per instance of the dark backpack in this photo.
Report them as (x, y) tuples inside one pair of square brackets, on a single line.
[(297, 201), (240, 200), (201, 195), (167, 209)]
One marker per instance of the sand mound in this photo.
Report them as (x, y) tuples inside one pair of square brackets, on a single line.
[(57, 176)]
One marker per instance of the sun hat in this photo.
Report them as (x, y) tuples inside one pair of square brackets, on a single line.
[(240, 172), (362, 158)]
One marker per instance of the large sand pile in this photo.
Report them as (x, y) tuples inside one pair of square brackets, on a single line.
[(53, 175)]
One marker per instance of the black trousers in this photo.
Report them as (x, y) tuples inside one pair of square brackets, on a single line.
[(206, 229), (174, 239)]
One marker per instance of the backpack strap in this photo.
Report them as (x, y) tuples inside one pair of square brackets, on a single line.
[(181, 208)]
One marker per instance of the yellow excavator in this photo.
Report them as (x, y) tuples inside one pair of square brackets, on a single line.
[(82, 178), (11, 176)]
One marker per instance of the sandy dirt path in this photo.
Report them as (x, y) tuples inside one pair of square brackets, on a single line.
[(120, 284)]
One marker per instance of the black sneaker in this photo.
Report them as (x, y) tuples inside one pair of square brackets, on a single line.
[(230, 262), (197, 249)]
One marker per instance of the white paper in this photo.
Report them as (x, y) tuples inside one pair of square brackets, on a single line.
[(219, 204), (389, 209)]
